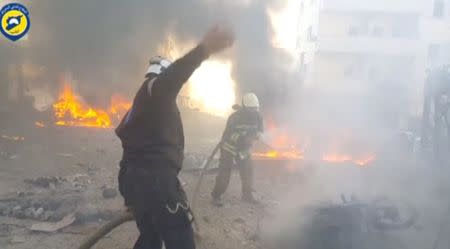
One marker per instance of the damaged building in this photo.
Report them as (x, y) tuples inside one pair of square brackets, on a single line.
[(376, 52)]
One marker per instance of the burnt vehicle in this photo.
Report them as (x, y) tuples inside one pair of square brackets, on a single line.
[(349, 224)]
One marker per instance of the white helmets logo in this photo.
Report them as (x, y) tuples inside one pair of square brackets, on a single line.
[(250, 100), (158, 64)]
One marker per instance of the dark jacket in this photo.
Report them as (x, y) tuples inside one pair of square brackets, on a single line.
[(242, 129), (152, 130)]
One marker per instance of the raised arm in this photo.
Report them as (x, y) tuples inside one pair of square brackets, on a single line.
[(172, 79), (169, 82)]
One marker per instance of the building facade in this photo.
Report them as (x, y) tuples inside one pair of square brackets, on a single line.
[(378, 49)]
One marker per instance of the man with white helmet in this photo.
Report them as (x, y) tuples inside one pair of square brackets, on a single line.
[(153, 146), (243, 128)]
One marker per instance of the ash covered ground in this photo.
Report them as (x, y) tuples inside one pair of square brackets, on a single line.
[(69, 175)]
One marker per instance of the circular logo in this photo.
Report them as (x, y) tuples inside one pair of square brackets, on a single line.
[(15, 21)]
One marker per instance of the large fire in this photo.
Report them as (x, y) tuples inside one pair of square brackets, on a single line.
[(278, 152), (71, 110), (283, 146), (284, 20), (211, 87)]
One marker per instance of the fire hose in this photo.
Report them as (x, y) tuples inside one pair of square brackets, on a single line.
[(125, 216), (128, 215), (202, 174), (105, 229)]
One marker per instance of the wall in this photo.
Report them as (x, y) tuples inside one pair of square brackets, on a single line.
[(346, 29), (378, 5), (359, 73), (366, 24)]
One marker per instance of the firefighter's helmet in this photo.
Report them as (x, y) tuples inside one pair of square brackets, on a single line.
[(157, 65), (250, 100)]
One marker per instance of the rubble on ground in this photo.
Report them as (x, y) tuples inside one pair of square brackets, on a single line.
[(50, 227), (350, 224), (109, 193), (44, 182), (39, 208), (51, 199), (88, 190)]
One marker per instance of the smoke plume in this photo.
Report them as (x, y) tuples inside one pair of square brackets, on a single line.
[(106, 44)]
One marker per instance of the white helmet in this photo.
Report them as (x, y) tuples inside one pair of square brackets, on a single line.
[(158, 64), (250, 100)]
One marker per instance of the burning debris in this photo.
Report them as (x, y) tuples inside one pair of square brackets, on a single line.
[(344, 158), (71, 110), (283, 146), (348, 149), (274, 154)]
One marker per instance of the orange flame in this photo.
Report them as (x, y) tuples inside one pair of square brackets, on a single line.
[(365, 161), (282, 146), (343, 158), (281, 141), (70, 110), (273, 154), (119, 106)]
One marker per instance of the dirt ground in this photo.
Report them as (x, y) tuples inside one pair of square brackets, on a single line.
[(86, 162), (93, 155)]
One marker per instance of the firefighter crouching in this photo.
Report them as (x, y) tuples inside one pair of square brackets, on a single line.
[(243, 128)]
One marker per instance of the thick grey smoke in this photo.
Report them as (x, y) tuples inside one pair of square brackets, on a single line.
[(107, 43)]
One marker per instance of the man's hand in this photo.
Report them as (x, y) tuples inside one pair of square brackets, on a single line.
[(217, 39)]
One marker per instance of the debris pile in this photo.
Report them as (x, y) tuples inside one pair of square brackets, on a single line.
[(53, 199), (38, 208), (45, 182), (351, 224)]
